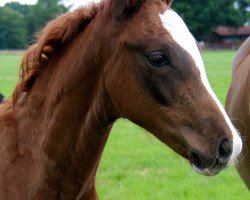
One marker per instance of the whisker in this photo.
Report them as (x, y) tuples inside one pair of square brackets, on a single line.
[(242, 123)]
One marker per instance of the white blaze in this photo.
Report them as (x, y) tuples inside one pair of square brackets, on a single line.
[(178, 30)]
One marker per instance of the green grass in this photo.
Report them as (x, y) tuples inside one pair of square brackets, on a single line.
[(135, 166), (218, 66), (9, 68)]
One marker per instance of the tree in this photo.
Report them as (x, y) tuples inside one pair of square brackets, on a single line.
[(244, 6), (41, 13), (203, 16), (16, 6), (13, 33), (18, 23)]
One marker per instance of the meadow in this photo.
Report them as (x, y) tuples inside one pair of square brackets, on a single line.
[(136, 166)]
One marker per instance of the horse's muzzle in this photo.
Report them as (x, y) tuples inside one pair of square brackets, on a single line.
[(210, 167)]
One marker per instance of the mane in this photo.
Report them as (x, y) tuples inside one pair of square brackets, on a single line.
[(243, 52), (56, 34)]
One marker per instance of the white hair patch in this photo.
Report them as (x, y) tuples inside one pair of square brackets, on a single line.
[(178, 30)]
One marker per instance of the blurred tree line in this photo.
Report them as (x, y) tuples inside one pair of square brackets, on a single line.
[(202, 16), (19, 23)]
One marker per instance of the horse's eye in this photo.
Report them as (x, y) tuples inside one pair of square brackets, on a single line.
[(158, 59)]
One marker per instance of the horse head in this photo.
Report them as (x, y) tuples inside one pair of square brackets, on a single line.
[(144, 60), (156, 78)]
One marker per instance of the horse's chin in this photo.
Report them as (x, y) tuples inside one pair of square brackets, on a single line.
[(206, 171)]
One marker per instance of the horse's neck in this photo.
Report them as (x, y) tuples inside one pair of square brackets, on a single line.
[(67, 117), (242, 54)]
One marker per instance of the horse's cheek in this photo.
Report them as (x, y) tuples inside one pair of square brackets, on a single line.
[(8, 142)]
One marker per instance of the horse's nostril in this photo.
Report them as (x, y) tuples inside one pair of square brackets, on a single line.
[(197, 161), (224, 151)]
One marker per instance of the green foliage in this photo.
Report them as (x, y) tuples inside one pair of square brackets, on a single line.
[(16, 6), (19, 23), (244, 5), (41, 13), (203, 16), (136, 166), (13, 32)]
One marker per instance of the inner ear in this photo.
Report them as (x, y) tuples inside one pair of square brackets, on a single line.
[(169, 2), (125, 9)]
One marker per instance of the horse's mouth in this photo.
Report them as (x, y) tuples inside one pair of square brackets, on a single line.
[(211, 164), (212, 170)]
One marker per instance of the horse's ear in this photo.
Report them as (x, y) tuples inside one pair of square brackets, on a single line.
[(124, 9), (169, 2)]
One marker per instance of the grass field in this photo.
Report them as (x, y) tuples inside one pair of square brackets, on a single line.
[(135, 166)]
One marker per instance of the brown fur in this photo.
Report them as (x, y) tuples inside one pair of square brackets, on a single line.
[(237, 105), (57, 34), (87, 69)]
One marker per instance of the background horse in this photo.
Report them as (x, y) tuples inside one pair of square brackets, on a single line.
[(237, 105), (1, 98), (133, 59)]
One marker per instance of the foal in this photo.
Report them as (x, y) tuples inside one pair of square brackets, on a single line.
[(131, 59)]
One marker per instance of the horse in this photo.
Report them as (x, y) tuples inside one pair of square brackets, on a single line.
[(133, 59), (237, 105)]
